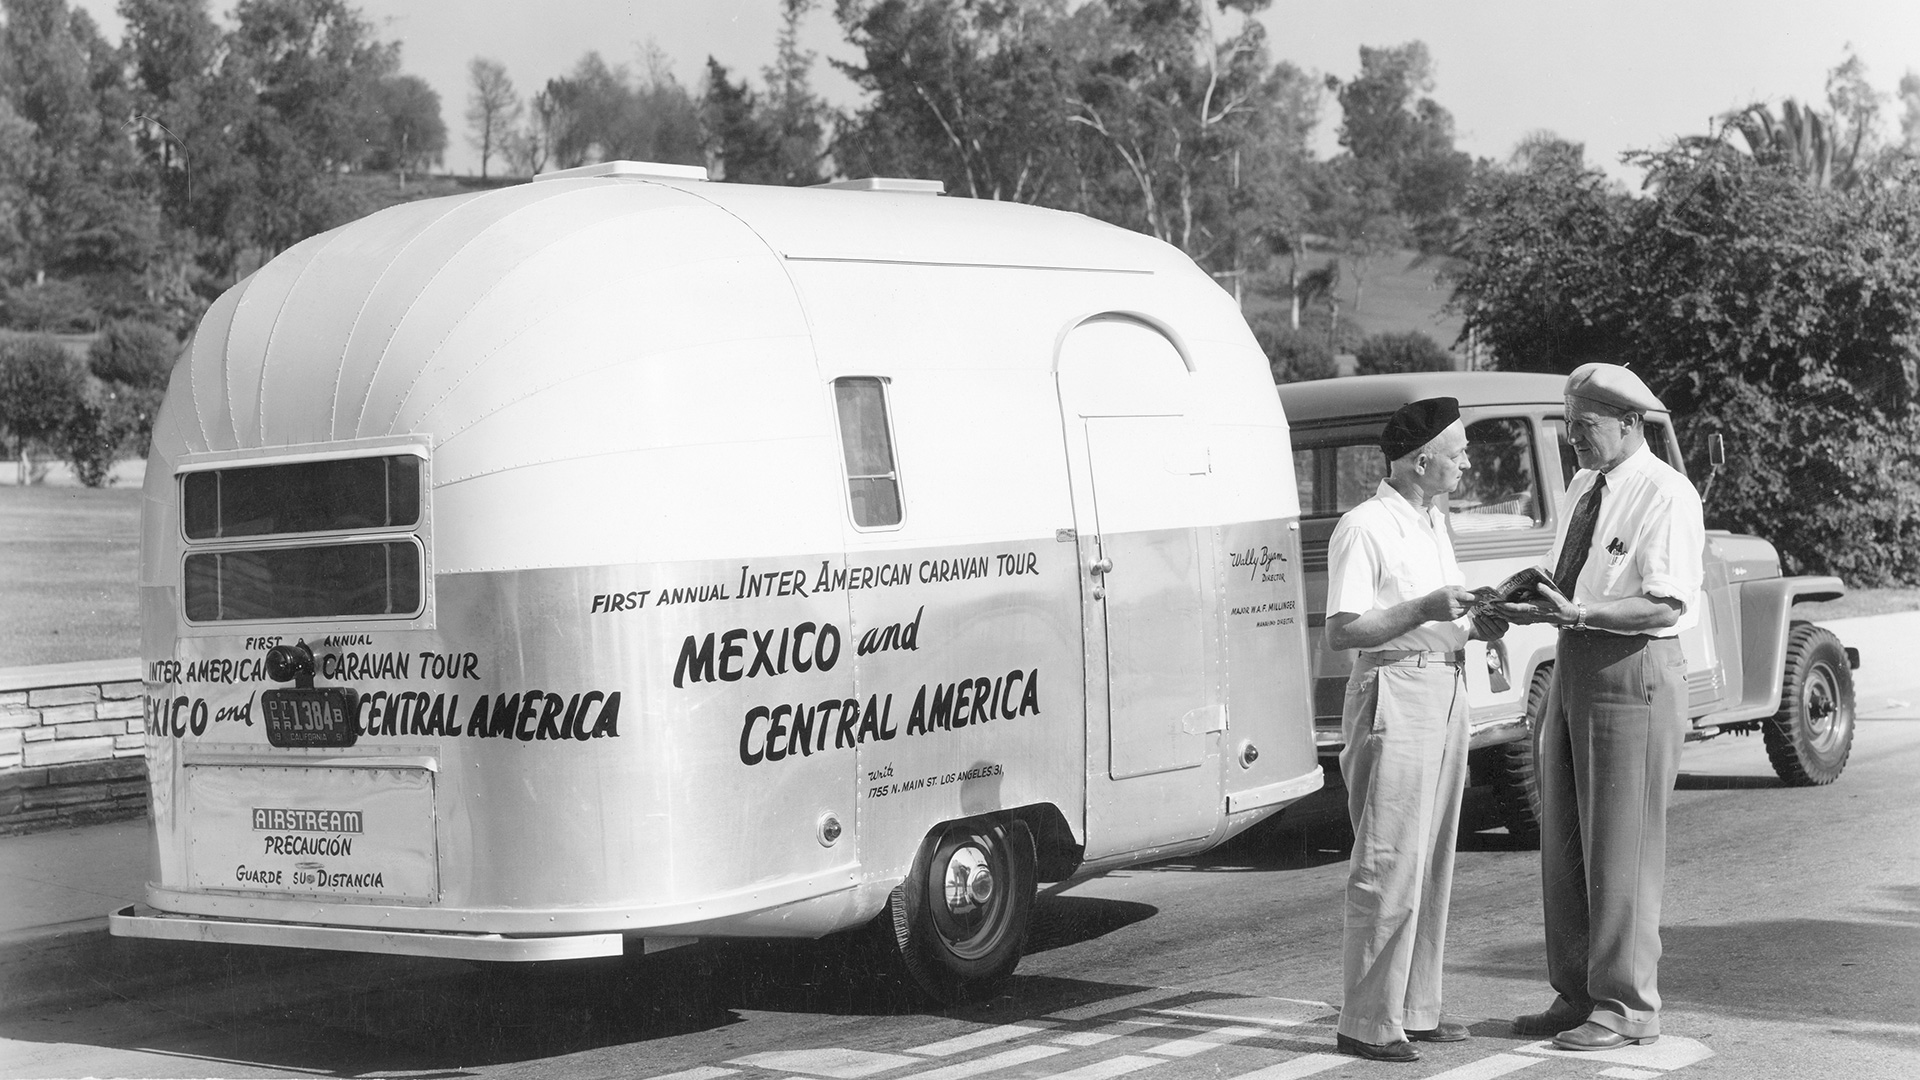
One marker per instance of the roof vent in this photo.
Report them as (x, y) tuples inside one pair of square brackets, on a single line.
[(629, 170), (889, 183)]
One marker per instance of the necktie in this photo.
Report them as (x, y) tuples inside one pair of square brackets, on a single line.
[(1573, 553)]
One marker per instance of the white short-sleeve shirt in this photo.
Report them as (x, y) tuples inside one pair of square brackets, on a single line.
[(1649, 539), (1385, 552)]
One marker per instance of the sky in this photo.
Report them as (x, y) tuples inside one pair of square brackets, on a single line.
[(1615, 75)]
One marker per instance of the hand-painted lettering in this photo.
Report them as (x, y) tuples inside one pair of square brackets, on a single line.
[(773, 653), (902, 636)]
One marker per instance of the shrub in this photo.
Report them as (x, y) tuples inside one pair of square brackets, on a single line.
[(53, 306), (138, 354), (48, 404), (1411, 351), (40, 386), (1293, 355)]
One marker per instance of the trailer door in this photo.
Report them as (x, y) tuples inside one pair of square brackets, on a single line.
[(1138, 466)]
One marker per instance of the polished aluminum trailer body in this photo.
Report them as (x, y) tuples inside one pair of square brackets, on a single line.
[(755, 534)]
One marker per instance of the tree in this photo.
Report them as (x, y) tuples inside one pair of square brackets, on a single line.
[(1403, 139), (600, 113), (80, 205), (1777, 312), (493, 108), (1855, 108), (739, 145), (1910, 113), (41, 388), (1190, 122), (968, 93), (1800, 140), (797, 117), (411, 134)]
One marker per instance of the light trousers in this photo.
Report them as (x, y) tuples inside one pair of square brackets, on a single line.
[(1405, 763), (1606, 759)]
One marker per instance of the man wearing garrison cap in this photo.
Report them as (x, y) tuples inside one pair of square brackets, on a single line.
[(1626, 584), (1395, 593)]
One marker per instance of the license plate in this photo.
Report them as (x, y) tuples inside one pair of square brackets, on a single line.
[(317, 716)]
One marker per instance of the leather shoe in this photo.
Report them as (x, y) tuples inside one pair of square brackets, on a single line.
[(1448, 1031), (1393, 1051), (1591, 1036), (1545, 1024)]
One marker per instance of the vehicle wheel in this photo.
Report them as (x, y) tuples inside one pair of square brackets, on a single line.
[(1809, 739), (1516, 790), (960, 919)]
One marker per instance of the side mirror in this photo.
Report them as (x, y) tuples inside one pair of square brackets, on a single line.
[(1716, 457)]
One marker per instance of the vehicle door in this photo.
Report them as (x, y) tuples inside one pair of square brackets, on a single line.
[(1137, 464), (1501, 520)]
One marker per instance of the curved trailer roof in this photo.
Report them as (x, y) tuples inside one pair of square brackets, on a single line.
[(625, 323)]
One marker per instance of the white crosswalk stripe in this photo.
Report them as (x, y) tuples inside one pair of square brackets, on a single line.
[(1108, 1069), (1304, 1065), (1487, 1067), (1005, 1059), (977, 1039), (1207, 1041), (1111, 1031), (704, 1072)]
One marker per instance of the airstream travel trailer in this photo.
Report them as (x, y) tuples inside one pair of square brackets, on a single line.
[(622, 559)]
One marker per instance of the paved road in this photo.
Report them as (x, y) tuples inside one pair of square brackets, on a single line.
[(1792, 936)]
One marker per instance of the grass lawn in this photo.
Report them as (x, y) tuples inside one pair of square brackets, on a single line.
[(69, 573)]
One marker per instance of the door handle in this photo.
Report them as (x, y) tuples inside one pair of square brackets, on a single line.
[(1099, 567)]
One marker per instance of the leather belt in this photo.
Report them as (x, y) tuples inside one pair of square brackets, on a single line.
[(1416, 657)]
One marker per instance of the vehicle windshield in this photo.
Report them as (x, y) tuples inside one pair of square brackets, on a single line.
[(1338, 469)]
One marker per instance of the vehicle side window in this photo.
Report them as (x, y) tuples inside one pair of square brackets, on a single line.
[(1556, 429), (1334, 479), (866, 443), (1663, 443), (1657, 438), (1501, 490)]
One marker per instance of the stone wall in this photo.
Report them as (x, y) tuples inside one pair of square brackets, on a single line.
[(72, 744)]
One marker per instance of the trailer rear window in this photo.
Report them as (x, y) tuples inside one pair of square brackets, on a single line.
[(866, 441), (345, 494), (335, 539), (310, 582)]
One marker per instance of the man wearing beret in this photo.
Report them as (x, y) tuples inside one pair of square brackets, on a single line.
[(1627, 581), (1395, 593)]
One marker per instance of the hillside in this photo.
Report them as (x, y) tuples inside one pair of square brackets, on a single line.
[(1402, 293)]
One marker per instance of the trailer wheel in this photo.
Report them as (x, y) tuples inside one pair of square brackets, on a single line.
[(1516, 788), (960, 919), (1809, 739)]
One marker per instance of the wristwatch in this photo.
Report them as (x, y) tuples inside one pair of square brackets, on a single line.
[(1580, 616)]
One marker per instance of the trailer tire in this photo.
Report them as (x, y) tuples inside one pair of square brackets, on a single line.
[(1811, 736), (960, 919), (1516, 786)]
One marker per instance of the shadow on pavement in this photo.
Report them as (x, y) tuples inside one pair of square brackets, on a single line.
[(1687, 781), (1864, 975), (347, 1014)]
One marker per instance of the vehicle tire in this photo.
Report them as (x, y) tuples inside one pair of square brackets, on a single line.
[(1516, 790), (1809, 739), (960, 919)]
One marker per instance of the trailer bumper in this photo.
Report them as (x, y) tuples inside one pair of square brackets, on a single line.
[(139, 921)]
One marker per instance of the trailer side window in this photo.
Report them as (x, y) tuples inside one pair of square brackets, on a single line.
[(866, 443), (259, 546)]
